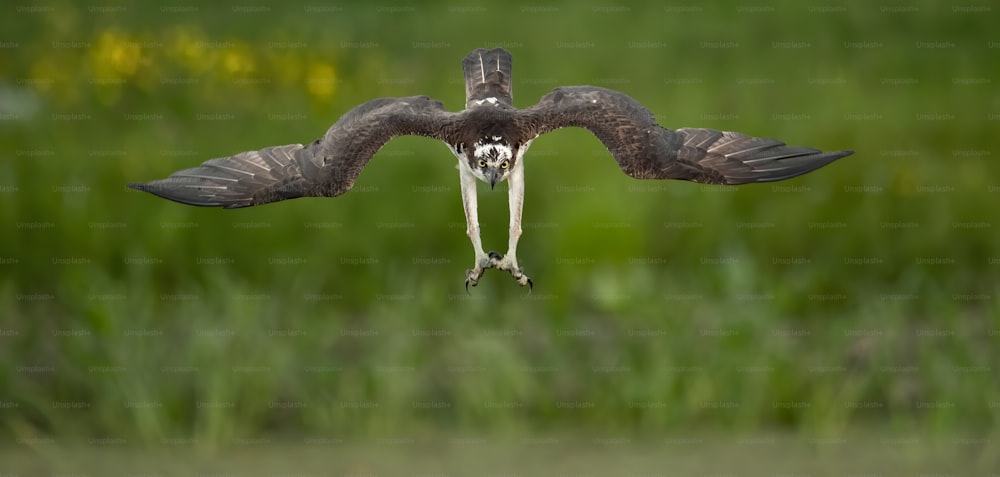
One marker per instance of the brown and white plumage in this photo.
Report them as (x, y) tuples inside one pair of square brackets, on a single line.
[(326, 167), (646, 150), (488, 75), (490, 138)]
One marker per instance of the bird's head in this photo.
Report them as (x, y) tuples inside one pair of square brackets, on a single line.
[(491, 160)]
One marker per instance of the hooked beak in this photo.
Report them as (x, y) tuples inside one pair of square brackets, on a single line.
[(493, 176)]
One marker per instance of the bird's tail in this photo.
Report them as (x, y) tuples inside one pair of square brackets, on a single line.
[(487, 75)]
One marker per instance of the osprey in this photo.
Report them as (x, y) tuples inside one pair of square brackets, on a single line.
[(489, 138)]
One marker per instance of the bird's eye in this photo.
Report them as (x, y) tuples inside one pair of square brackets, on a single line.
[(482, 163), (504, 164)]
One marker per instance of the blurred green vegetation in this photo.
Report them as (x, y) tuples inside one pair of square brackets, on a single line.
[(864, 294)]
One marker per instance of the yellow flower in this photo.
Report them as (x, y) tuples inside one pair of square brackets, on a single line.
[(188, 48), (321, 81), (115, 55), (238, 60)]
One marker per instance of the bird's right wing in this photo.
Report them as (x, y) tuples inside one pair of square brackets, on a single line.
[(326, 167), (645, 150)]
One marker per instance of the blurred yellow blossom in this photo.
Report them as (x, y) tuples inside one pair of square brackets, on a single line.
[(187, 47), (114, 59), (321, 81), (115, 55), (237, 59)]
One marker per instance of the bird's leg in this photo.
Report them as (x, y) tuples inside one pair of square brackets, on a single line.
[(515, 196), (482, 260)]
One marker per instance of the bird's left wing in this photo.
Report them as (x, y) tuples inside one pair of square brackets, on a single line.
[(645, 150), (326, 167)]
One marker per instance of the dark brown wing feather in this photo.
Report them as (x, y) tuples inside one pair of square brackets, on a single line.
[(645, 150), (326, 167), (488, 75)]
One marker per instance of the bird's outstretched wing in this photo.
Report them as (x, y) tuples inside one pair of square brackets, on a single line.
[(326, 167), (645, 150)]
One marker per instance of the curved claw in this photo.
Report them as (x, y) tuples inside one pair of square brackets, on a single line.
[(472, 278), (531, 286)]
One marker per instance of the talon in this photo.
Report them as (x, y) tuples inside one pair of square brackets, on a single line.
[(472, 278), (522, 279), (495, 258)]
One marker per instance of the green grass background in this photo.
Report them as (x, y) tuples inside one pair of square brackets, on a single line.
[(858, 300)]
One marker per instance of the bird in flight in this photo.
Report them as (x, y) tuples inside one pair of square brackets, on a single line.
[(489, 138)]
